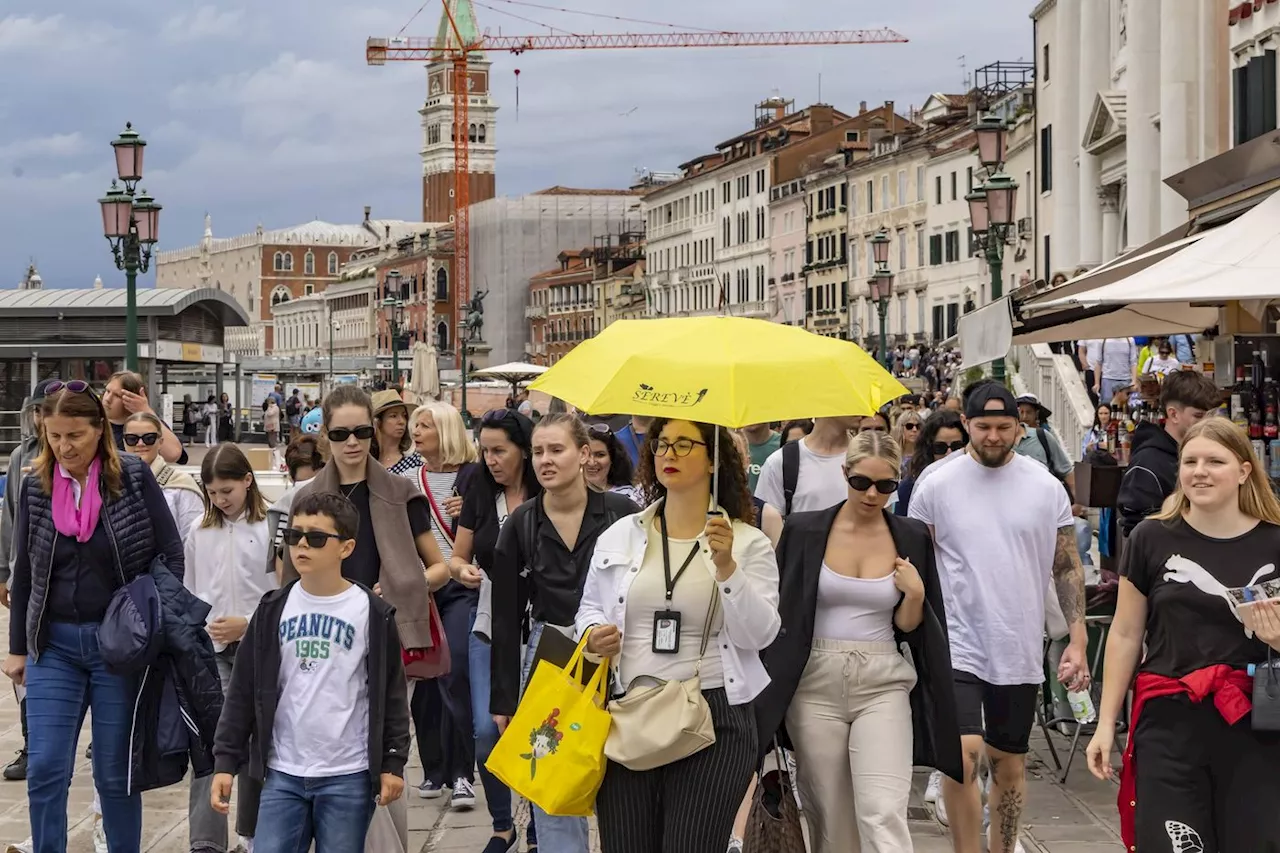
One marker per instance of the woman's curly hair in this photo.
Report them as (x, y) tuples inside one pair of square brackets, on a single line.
[(735, 497)]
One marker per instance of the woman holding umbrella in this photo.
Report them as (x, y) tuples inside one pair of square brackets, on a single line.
[(659, 583)]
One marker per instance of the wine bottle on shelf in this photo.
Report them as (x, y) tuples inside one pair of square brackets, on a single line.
[(1239, 413), (1270, 426)]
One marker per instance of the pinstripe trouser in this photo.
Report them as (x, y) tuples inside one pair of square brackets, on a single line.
[(688, 806)]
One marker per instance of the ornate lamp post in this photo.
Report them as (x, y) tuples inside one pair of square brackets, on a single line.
[(992, 207), (881, 285), (393, 311), (131, 224)]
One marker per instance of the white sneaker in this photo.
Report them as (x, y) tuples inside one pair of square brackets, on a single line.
[(99, 835), (940, 811), (933, 791), (22, 846)]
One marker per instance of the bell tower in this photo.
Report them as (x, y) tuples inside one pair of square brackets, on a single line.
[(437, 121)]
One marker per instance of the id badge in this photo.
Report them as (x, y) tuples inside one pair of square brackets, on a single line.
[(666, 632)]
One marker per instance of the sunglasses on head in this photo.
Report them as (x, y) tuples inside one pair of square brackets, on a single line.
[(600, 429), (147, 438), (341, 434), (315, 538), (494, 417), (859, 483), (941, 447), (75, 386)]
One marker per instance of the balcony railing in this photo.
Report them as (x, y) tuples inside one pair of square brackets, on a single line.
[(535, 312)]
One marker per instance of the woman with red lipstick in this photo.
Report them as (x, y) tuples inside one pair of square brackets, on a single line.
[(856, 711), (660, 582), (540, 564), (1200, 766)]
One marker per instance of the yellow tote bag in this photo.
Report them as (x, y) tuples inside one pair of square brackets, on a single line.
[(552, 752)]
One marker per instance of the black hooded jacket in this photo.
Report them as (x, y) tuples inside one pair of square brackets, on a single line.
[(1150, 477)]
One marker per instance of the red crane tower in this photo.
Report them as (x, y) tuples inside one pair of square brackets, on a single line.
[(378, 51)]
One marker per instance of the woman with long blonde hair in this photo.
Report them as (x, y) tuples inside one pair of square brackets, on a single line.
[(906, 432), (1198, 585)]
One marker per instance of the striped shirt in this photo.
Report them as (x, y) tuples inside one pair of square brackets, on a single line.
[(441, 485)]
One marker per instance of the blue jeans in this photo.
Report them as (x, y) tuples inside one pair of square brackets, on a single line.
[(333, 811), (1084, 540), (497, 795), (555, 834), (68, 679)]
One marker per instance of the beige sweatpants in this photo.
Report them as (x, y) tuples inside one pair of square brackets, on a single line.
[(855, 695)]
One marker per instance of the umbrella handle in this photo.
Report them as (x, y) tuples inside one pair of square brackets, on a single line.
[(715, 472)]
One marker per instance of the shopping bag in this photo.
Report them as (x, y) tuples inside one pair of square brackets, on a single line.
[(382, 837), (552, 752)]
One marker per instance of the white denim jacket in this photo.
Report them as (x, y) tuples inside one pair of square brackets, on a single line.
[(749, 598)]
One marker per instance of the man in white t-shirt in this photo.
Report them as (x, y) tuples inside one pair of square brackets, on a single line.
[(1002, 527), (1114, 361), (817, 481)]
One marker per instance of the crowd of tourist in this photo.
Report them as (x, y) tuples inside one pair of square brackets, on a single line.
[(843, 599)]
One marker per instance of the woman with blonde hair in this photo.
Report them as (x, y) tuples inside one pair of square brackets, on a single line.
[(858, 712), (906, 432), (1198, 584), (143, 433), (442, 707)]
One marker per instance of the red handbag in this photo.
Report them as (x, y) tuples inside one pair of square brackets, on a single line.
[(433, 662)]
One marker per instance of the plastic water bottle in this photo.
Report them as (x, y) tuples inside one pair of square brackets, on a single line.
[(1082, 706)]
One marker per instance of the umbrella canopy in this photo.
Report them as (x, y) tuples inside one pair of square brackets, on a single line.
[(425, 379), (515, 372), (730, 371)]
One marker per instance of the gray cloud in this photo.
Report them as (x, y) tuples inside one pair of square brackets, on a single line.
[(259, 112)]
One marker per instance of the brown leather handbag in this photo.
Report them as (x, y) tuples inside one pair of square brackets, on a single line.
[(773, 824)]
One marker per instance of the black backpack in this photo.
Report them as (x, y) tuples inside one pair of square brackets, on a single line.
[(291, 407), (790, 472)]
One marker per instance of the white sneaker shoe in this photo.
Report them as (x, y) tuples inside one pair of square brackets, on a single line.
[(22, 846), (99, 835), (940, 811), (933, 791)]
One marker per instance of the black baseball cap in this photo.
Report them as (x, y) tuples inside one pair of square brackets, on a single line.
[(991, 401)]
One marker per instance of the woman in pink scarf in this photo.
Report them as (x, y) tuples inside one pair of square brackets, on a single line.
[(89, 521)]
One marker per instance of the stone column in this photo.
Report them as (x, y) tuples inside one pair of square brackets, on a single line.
[(1179, 100), (1065, 81), (1095, 65), (1142, 145), (1109, 205), (1215, 81)]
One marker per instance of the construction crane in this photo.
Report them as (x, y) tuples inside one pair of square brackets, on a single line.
[(379, 51)]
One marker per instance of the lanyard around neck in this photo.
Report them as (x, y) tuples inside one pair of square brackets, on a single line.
[(666, 558)]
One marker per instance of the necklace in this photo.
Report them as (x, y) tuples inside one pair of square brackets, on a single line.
[(347, 492)]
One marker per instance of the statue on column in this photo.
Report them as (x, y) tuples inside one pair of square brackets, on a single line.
[(1122, 22), (475, 316)]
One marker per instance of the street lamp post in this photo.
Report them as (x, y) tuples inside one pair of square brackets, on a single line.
[(881, 284), (393, 309), (992, 208), (131, 224), (462, 365)]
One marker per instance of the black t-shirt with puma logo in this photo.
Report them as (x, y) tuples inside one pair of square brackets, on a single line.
[(1191, 617)]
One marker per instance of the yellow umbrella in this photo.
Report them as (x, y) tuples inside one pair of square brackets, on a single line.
[(730, 371)]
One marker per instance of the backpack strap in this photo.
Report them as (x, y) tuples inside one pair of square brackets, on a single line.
[(790, 472)]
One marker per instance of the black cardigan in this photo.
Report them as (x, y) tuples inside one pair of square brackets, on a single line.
[(936, 734)]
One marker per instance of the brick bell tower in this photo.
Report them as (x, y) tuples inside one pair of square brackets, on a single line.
[(437, 122)]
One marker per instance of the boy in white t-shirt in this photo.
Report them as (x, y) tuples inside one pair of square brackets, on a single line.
[(319, 686)]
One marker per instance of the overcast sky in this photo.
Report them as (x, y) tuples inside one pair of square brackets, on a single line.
[(266, 112)]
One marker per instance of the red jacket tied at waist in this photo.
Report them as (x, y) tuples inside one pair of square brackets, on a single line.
[(1230, 689)]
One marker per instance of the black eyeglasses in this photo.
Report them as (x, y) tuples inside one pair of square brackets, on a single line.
[(315, 538), (681, 447), (859, 483), (941, 448), (338, 435), (600, 429), (75, 386), (911, 426), (147, 438)]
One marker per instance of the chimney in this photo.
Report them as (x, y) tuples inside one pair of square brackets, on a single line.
[(862, 107), (893, 117), (821, 118), (367, 211)]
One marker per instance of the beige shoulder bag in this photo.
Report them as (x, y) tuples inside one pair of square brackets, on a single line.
[(662, 724)]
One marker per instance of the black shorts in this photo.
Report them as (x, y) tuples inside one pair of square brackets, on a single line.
[(1002, 713)]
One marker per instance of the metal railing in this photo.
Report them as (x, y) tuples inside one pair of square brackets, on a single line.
[(1055, 380)]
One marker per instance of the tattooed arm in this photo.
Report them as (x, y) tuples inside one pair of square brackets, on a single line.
[(1068, 582)]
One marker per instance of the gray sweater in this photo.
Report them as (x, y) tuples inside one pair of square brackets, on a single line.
[(23, 455)]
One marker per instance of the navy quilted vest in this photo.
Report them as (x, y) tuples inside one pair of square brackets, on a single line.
[(128, 527)]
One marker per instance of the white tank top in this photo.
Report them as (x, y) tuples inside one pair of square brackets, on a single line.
[(854, 609)]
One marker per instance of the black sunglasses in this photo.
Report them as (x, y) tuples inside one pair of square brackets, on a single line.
[(941, 447), (338, 435), (147, 438), (859, 483), (315, 538), (911, 426), (494, 416)]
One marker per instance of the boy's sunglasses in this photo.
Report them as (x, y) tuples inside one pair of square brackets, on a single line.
[(339, 435), (940, 447), (147, 438), (315, 538), (859, 483)]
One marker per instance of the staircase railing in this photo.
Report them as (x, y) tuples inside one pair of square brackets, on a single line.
[(1055, 380)]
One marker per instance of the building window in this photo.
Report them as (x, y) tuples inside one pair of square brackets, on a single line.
[(920, 253), (442, 285), (871, 196), (309, 263), (937, 190), (1253, 98), (952, 246), (280, 295), (725, 192), (1046, 158), (969, 179), (902, 251), (919, 183), (471, 133), (333, 263), (1045, 64), (902, 186), (953, 318), (939, 319), (884, 192), (308, 289), (1048, 262), (851, 136), (283, 262), (935, 249), (442, 336), (953, 186), (482, 133)]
